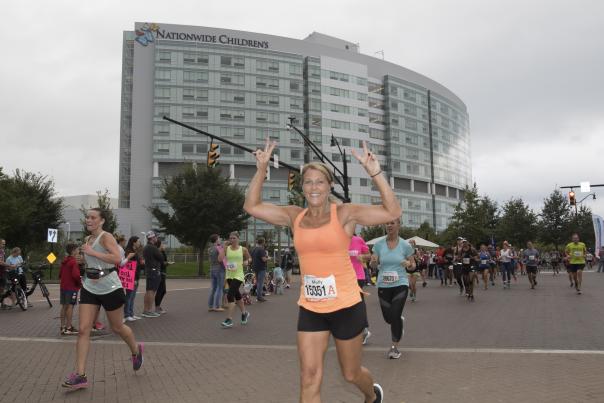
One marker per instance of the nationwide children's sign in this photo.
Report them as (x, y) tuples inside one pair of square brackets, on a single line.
[(148, 33)]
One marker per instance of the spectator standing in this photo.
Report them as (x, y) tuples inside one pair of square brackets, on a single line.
[(161, 290), (153, 261), (69, 288), (259, 259), (287, 264), (217, 274), (133, 254)]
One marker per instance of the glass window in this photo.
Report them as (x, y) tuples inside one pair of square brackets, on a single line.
[(267, 65), (376, 88), (376, 103), (163, 74), (267, 100), (162, 110), (164, 56), (296, 103), (195, 76), (296, 154), (162, 92), (161, 148), (363, 128), (376, 133), (375, 118), (295, 69), (236, 97), (239, 132), (232, 79), (232, 61), (295, 86), (264, 82), (188, 148)]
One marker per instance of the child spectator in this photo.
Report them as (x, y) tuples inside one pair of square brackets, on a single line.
[(70, 285)]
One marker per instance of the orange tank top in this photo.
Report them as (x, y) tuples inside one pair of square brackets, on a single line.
[(329, 282)]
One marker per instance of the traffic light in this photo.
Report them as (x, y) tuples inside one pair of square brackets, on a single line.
[(571, 198), (213, 155), (291, 180)]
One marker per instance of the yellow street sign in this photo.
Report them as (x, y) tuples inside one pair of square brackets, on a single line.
[(51, 258)]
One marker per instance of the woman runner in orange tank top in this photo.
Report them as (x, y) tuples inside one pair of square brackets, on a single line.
[(330, 301)]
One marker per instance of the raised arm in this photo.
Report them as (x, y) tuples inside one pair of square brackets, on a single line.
[(390, 208), (277, 215)]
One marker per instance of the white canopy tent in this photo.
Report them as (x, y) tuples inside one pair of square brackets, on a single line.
[(419, 242)]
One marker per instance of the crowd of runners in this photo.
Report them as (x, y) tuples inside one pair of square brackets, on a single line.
[(105, 271)]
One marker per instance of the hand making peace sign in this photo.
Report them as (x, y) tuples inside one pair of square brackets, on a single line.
[(263, 157), (368, 160)]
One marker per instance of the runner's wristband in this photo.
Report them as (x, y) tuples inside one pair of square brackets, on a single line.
[(376, 174)]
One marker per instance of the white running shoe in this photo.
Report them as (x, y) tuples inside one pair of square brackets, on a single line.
[(366, 335), (130, 319)]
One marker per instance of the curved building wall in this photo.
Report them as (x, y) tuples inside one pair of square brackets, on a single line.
[(244, 86)]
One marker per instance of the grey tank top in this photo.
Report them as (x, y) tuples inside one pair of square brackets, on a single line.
[(106, 284)]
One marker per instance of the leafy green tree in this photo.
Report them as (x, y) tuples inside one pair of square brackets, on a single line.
[(475, 218), (426, 231), (29, 207), (582, 224), (201, 203), (518, 223), (104, 203), (554, 220), (372, 232)]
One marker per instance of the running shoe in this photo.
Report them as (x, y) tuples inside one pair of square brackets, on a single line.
[(63, 330), (137, 359), (136, 317), (160, 310), (413, 297), (75, 381), (379, 393), (244, 317), (70, 331), (150, 314), (227, 323), (261, 299), (366, 335), (424, 284), (578, 291), (394, 354), (99, 326), (130, 319)]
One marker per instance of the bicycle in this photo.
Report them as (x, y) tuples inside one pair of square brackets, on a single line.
[(14, 287), (37, 277)]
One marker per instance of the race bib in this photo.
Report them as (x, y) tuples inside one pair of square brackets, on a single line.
[(320, 288), (353, 252), (531, 257), (390, 277), (450, 267), (483, 262), (230, 266), (465, 260), (578, 253)]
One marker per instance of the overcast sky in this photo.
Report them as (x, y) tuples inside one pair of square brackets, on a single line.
[(530, 72)]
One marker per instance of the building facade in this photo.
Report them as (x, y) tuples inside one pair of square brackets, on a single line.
[(244, 86)]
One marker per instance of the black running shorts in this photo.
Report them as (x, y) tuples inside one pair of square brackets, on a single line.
[(344, 324), (112, 301), (573, 268)]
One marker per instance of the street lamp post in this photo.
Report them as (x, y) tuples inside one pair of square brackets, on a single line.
[(343, 178)]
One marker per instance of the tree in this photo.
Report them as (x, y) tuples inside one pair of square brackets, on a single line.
[(426, 231), (582, 224), (29, 207), (474, 218), (554, 220), (518, 223), (372, 232), (104, 203), (201, 203)]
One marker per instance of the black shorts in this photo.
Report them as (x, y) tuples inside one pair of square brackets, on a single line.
[(344, 324), (573, 268), (68, 297), (112, 301), (153, 278), (531, 269)]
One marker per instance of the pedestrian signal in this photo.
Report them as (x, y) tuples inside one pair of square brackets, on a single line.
[(213, 155)]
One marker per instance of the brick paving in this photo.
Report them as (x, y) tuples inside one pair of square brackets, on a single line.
[(190, 359)]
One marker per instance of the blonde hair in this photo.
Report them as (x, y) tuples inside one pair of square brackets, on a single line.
[(324, 169), (318, 166)]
